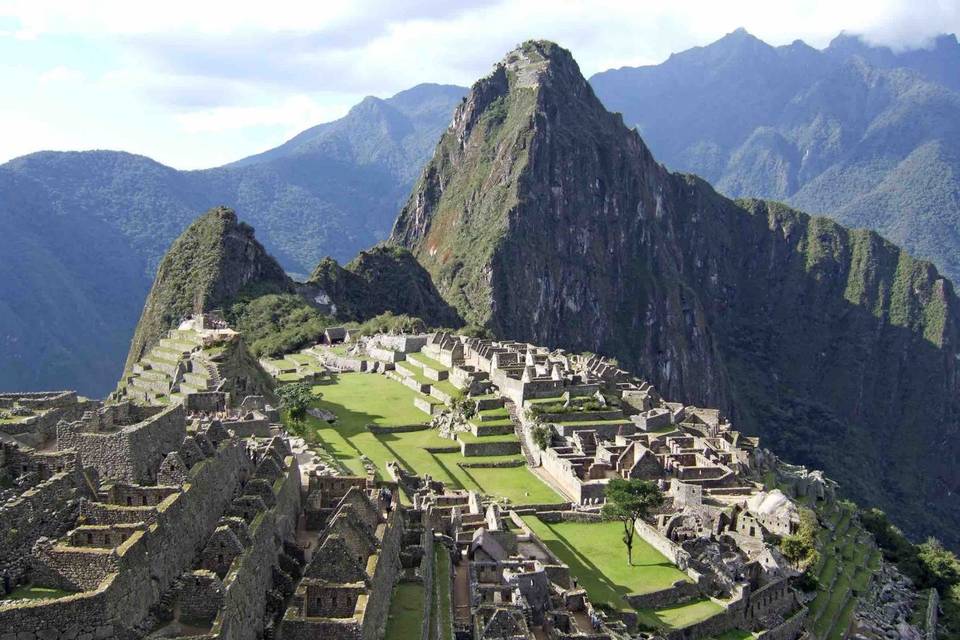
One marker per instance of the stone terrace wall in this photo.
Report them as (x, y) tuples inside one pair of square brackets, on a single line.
[(251, 575), (132, 453), (148, 561), (791, 628), (43, 510)]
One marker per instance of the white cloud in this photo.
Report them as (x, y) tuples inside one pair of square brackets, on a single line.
[(233, 73), (293, 114), (61, 74)]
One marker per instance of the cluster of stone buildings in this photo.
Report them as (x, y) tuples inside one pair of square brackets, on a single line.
[(180, 510)]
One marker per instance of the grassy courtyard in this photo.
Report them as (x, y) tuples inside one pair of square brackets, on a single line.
[(360, 399), (406, 612), (597, 558)]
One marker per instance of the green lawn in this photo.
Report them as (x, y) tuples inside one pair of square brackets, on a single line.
[(35, 593), (734, 634), (359, 399), (423, 359), (681, 615), (447, 387), (598, 559), (406, 612)]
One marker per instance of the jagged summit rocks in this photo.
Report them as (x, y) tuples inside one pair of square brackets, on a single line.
[(544, 218)]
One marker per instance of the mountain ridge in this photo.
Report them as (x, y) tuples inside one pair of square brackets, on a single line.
[(544, 218)]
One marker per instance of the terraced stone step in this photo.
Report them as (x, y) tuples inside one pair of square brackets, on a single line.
[(198, 380), (153, 374), (186, 336), (160, 364), (186, 388), (153, 387)]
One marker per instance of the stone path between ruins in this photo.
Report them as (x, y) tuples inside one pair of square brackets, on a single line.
[(461, 593)]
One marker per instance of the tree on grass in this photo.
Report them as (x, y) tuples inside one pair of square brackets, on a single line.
[(296, 399), (629, 501)]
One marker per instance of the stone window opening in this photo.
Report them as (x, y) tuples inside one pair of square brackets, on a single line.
[(144, 500), (129, 501), (89, 538), (219, 558)]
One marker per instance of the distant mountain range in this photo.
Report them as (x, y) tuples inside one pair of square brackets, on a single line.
[(865, 135), (860, 133), (84, 231)]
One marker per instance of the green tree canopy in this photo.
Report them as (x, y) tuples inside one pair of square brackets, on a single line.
[(630, 500)]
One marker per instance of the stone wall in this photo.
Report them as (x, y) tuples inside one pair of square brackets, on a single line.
[(680, 592), (384, 578), (792, 627), (200, 597), (426, 574), (148, 562), (251, 575), (497, 448), (44, 510), (132, 453)]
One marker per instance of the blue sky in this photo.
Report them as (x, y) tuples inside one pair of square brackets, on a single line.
[(196, 84)]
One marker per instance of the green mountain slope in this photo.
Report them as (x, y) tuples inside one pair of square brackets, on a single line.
[(545, 218)]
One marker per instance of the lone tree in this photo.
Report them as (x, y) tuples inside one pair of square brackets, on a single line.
[(629, 501), (296, 398)]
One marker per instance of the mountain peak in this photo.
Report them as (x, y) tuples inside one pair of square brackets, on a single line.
[(214, 259)]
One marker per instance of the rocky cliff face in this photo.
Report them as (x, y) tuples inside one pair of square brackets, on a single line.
[(216, 258), (544, 218), (379, 280)]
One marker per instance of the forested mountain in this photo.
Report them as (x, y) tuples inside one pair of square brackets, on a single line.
[(862, 134), (83, 232), (544, 218)]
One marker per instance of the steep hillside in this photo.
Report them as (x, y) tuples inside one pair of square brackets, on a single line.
[(332, 190), (865, 135), (545, 218), (213, 261)]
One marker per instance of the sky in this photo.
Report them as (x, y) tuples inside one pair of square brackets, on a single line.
[(196, 84)]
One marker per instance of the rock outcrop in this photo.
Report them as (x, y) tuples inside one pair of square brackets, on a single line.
[(542, 217), (211, 262)]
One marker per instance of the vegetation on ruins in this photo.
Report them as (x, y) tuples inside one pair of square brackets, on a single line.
[(630, 500), (800, 548), (574, 406), (542, 434), (388, 322)]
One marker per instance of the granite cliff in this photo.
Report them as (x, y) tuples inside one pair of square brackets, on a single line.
[(544, 218)]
